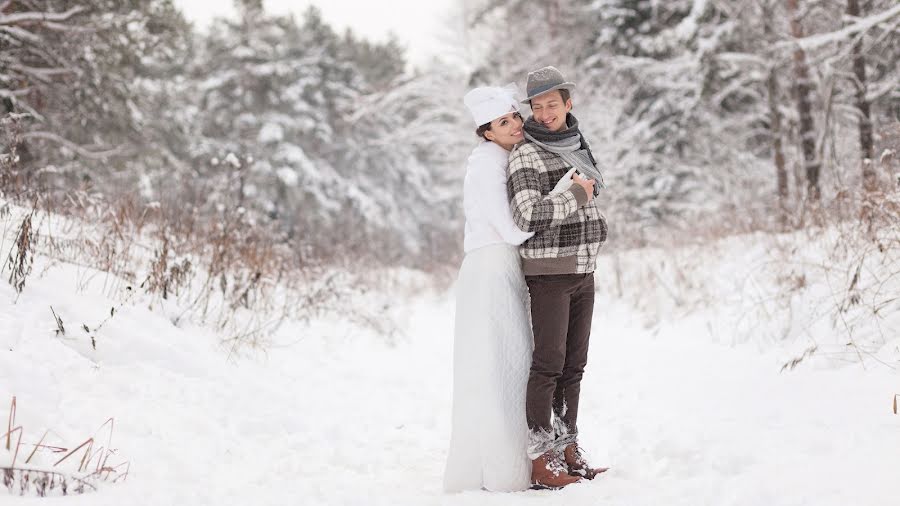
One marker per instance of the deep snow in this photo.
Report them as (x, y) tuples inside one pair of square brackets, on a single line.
[(332, 413)]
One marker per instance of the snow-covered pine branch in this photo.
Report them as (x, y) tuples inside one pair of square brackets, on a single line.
[(847, 33)]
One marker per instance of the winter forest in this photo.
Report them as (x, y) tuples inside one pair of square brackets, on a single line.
[(715, 117), (229, 253)]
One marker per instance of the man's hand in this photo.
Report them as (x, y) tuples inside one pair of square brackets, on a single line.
[(587, 184)]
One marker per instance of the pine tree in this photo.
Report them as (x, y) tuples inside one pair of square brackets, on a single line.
[(32, 67), (98, 62)]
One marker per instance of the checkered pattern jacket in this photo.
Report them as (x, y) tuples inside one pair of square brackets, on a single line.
[(569, 230)]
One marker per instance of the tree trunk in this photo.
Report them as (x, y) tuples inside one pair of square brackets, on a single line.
[(811, 163), (781, 175), (552, 11), (775, 129), (865, 118)]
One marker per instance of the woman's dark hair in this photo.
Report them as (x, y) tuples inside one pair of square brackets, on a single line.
[(487, 126), (482, 129)]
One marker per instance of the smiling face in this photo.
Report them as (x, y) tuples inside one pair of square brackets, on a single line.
[(550, 110), (506, 131)]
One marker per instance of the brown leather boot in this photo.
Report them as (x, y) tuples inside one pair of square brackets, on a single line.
[(577, 464), (547, 472)]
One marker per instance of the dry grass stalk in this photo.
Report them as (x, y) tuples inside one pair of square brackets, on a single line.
[(89, 442), (21, 259), (22, 480), (40, 444), (12, 418), (10, 430), (60, 328), (796, 361)]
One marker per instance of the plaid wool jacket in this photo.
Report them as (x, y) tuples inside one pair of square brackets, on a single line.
[(569, 230)]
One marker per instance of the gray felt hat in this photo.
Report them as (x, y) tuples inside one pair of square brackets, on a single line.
[(541, 81)]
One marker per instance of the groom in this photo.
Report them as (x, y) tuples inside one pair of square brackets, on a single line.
[(558, 262)]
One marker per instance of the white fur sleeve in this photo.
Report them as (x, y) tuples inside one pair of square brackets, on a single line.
[(495, 204)]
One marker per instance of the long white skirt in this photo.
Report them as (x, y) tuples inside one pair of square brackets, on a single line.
[(491, 359)]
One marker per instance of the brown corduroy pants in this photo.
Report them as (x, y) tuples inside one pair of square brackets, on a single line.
[(561, 310)]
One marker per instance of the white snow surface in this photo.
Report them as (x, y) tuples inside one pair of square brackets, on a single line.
[(333, 413)]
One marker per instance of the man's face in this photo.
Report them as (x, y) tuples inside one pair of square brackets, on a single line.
[(550, 110)]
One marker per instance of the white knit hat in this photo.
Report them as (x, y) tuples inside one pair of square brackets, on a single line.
[(490, 102)]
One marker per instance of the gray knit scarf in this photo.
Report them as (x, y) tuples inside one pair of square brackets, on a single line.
[(569, 144)]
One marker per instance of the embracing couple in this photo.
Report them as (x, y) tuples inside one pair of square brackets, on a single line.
[(533, 231)]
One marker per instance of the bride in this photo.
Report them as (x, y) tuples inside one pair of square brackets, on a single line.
[(493, 338)]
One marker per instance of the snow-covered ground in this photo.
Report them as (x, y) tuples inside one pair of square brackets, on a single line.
[(333, 413)]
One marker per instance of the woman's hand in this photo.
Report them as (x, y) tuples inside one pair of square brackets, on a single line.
[(564, 183)]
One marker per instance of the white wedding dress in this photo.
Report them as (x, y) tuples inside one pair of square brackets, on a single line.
[(493, 339)]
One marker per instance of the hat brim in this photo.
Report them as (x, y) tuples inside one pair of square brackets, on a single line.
[(512, 108), (562, 86)]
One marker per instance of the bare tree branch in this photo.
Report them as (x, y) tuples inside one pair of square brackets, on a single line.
[(80, 150), (31, 18)]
